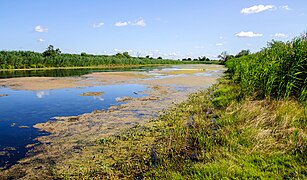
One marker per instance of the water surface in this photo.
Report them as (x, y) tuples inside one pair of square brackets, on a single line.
[(69, 72), (22, 109)]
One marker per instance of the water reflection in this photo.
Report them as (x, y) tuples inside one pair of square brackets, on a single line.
[(98, 98), (68, 72), (42, 94)]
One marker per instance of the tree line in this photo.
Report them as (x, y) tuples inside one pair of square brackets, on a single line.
[(54, 58)]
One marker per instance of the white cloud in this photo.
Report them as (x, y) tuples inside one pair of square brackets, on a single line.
[(41, 40), (98, 25), (122, 24), (140, 22), (40, 29), (221, 37), (219, 44), (285, 7), (248, 34), (280, 35), (257, 9)]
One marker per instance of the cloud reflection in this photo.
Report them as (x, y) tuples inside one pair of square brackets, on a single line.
[(41, 94), (98, 98)]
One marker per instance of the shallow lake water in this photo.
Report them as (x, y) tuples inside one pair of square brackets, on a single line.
[(22, 109)]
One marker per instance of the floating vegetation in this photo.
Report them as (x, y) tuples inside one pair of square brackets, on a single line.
[(24, 127), (124, 99), (9, 149), (92, 94)]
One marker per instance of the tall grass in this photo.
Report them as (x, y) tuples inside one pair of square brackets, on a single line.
[(277, 71)]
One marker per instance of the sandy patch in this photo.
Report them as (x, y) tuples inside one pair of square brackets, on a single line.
[(47, 83), (109, 78), (115, 77), (183, 71), (92, 94), (187, 81), (42, 83)]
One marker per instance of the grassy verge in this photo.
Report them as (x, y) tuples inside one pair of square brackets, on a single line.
[(213, 135)]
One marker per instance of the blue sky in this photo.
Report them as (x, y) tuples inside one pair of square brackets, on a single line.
[(167, 28)]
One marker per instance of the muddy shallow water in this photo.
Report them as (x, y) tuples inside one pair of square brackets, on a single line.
[(150, 92)]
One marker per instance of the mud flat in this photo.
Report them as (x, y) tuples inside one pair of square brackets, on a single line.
[(70, 135)]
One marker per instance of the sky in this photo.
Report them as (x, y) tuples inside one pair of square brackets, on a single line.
[(167, 28)]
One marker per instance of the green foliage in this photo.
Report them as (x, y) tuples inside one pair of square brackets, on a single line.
[(242, 53), (51, 51), (54, 58), (223, 96), (204, 58), (278, 71)]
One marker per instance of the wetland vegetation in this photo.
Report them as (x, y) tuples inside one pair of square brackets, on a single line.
[(250, 125)]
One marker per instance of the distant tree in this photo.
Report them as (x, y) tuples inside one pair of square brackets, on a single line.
[(51, 51), (223, 56), (119, 55), (159, 57), (126, 55), (243, 53), (83, 54), (147, 56)]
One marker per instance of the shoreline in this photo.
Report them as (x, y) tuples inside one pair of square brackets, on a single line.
[(89, 67)]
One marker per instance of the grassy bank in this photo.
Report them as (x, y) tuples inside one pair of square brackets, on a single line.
[(251, 125), (212, 135)]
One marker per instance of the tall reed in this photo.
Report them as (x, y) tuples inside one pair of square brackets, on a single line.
[(277, 71)]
